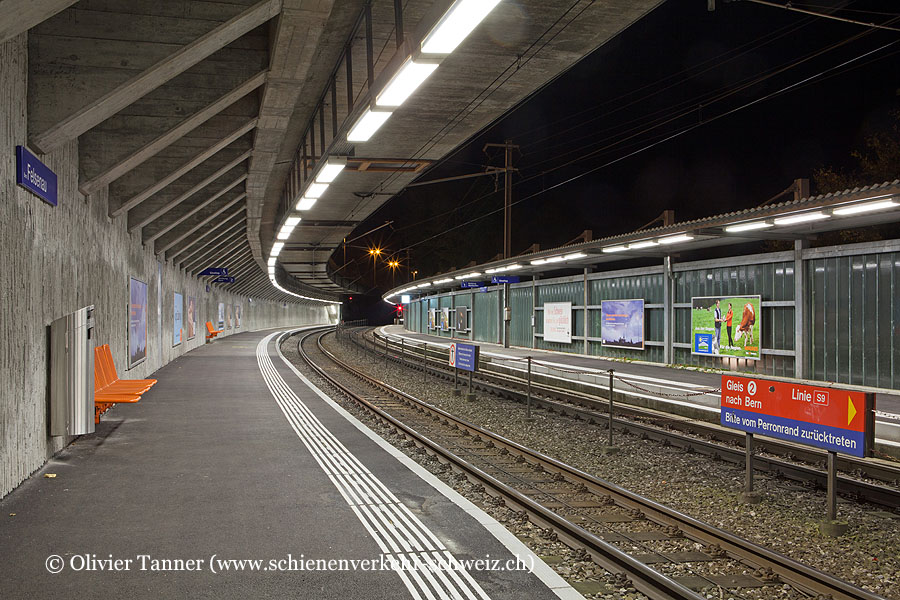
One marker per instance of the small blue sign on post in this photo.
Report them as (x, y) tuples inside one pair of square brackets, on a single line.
[(223, 280), (223, 271), (35, 176), (464, 356), (471, 284), (505, 279)]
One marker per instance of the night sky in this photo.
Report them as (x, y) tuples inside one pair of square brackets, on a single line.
[(680, 69)]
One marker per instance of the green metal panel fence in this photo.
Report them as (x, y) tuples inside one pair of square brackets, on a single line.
[(520, 299), (774, 282), (487, 315), (650, 288), (854, 320)]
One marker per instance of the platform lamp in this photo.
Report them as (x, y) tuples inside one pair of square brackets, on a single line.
[(375, 253)]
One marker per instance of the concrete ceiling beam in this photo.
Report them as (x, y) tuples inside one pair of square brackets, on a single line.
[(176, 201), (200, 158), (227, 227), (224, 190), (22, 15), (165, 70), (208, 251), (199, 225), (150, 149)]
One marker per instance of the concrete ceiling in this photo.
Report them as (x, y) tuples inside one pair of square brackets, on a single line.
[(192, 115)]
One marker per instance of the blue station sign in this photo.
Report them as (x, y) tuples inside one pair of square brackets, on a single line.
[(471, 284), (505, 279), (464, 356), (218, 271), (223, 280), (35, 176)]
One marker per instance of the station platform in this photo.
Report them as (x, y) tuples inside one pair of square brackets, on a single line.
[(670, 388), (235, 477)]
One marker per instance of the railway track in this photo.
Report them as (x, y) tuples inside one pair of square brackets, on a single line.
[(859, 479), (621, 531)]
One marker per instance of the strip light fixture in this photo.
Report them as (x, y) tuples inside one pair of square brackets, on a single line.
[(404, 82), (457, 23), (864, 207), (366, 126), (618, 248), (676, 239), (331, 169), (447, 280), (751, 226), (643, 244), (801, 218), (305, 203)]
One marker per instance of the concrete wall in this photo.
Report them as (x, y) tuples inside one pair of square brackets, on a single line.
[(58, 259)]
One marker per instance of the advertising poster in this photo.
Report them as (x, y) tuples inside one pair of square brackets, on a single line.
[(558, 322), (726, 326), (238, 315), (221, 316), (137, 322), (622, 324), (430, 318), (445, 319), (462, 318), (178, 320), (191, 324), (228, 317)]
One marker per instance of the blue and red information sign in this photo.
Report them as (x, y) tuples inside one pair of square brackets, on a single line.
[(464, 356), (824, 417)]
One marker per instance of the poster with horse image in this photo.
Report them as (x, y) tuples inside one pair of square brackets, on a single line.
[(726, 326)]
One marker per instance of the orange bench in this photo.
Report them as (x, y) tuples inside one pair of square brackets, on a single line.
[(108, 388), (210, 332)]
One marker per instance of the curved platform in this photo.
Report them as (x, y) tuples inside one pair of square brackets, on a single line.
[(236, 477)]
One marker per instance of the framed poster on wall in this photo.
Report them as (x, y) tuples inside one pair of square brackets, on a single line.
[(228, 317), (622, 324), (191, 317), (137, 322), (238, 315), (462, 318), (221, 316), (726, 326), (177, 320), (430, 318), (558, 322), (445, 319)]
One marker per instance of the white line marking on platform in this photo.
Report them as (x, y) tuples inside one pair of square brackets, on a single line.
[(541, 570)]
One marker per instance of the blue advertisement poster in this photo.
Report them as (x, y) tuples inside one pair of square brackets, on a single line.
[(137, 322), (191, 323), (178, 320), (622, 324)]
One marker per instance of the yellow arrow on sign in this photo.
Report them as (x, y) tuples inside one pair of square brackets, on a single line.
[(851, 410)]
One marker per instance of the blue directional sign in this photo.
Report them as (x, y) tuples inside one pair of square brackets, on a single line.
[(505, 279), (464, 356), (35, 176), (471, 284), (214, 271), (223, 280)]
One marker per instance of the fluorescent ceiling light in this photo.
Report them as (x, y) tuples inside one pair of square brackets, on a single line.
[(801, 218), (276, 248), (676, 239), (574, 256), (285, 234), (494, 270), (456, 24), (447, 280), (315, 190), (748, 226), (615, 248), (458, 277), (554, 259), (332, 168), (865, 207), (272, 260), (367, 125), (472, 274), (305, 203), (404, 82), (513, 267), (639, 245), (539, 261), (421, 285), (292, 222)]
